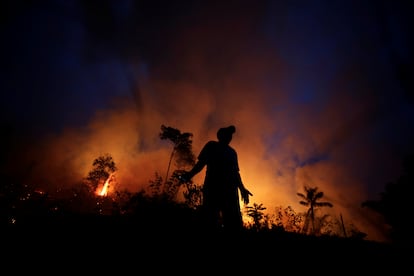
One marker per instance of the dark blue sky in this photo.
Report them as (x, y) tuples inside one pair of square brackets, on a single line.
[(324, 89), (68, 58)]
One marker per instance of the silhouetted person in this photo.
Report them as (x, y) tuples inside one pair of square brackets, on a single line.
[(222, 182)]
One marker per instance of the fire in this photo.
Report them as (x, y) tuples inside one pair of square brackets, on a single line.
[(105, 187)]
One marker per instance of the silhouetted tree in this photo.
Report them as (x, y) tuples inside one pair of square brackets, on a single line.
[(311, 199), (256, 213), (182, 146), (182, 154), (395, 202), (103, 167)]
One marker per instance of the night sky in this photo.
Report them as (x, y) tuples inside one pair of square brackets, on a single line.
[(320, 92)]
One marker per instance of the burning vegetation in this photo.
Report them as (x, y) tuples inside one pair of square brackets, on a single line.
[(165, 201)]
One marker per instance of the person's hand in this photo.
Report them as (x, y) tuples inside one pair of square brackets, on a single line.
[(245, 195), (185, 177)]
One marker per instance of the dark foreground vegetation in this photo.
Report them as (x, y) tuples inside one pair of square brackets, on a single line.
[(169, 240)]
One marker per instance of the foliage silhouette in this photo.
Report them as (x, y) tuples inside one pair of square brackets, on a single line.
[(394, 203), (183, 156), (288, 219), (103, 167), (193, 195), (155, 185), (257, 214), (311, 199), (182, 146)]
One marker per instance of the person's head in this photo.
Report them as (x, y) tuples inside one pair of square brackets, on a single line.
[(225, 134)]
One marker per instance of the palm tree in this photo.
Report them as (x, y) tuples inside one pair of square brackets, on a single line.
[(311, 200), (256, 213)]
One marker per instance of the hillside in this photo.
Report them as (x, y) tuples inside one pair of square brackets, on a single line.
[(99, 242)]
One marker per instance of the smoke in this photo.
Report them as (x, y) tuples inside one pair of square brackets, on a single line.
[(296, 123)]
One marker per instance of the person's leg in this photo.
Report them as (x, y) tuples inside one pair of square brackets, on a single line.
[(211, 216), (232, 217)]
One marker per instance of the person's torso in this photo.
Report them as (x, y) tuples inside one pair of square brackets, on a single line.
[(221, 162)]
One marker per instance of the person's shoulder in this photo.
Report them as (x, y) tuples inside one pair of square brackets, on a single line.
[(211, 143), (232, 149)]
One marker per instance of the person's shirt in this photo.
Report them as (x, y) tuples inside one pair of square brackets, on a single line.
[(221, 161)]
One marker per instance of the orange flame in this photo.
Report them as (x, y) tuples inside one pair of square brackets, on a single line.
[(104, 191)]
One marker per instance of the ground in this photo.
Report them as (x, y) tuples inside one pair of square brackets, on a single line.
[(99, 244)]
